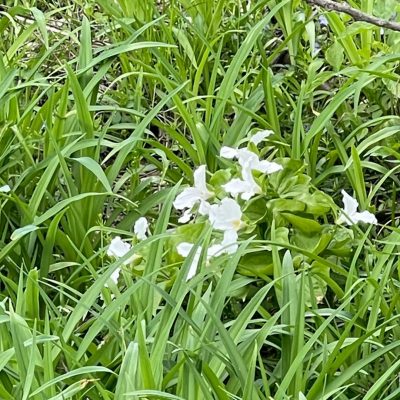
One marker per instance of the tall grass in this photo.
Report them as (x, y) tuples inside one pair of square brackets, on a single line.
[(106, 108)]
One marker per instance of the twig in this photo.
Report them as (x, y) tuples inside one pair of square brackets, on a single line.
[(356, 14)]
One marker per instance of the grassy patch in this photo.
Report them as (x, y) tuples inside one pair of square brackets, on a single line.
[(107, 109)]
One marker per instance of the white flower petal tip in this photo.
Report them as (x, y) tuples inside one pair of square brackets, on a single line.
[(115, 275), (140, 228), (350, 216), (260, 136), (269, 167), (204, 208), (350, 203), (118, 248), (249, 160), (187, 198), (5, 189), (215, 250), (192, 195), (199, 177), (228, 152), (226, 215), (184, 250), (246, 189), (229, 243)]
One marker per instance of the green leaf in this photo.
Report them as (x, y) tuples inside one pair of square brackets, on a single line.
[(32, 295), (96, 169), (185, 43), (305, 225), (335, 55), (86, 371), (21, 232), (41, 22)]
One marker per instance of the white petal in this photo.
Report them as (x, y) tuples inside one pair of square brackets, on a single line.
[(247, 159), (185, 217), (187, 199), (194, 265), (214, 251), (191, 195), (350, 204), (184, 248), (366, 217), (226, 215), (236, 186), (247, 195), (115, 275), (5, 189), (350, 215), (118, 248), (228, 152), (252, 186), (260, 136), (204, 208), (247, 187), (199, 177), (343, 219), (268, 167), (247, 176), (229, 243), (140, 228)]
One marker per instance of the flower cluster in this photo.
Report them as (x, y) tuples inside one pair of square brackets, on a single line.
[(224, 214), (246, 186), (222, 205)]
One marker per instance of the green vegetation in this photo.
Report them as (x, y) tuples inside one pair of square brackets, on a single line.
[(106, 110)]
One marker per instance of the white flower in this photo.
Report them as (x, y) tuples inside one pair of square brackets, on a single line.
[(184, 249), (238, 186), (268, 167), (118, 248), (249, 162), (247, 186), (243, 155), (5, 189), (140, 228), (226, 215), (260, 136), (350, 215), (192, 195), (227, 246), (248, 159)]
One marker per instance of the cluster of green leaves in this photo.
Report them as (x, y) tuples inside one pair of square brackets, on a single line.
[(106, 108)]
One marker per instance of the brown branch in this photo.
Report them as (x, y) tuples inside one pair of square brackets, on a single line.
[(356, 14)]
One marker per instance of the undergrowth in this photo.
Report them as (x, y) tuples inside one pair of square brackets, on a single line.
[(264, 284)]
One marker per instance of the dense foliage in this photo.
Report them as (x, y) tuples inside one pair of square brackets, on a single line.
[(176, 183)]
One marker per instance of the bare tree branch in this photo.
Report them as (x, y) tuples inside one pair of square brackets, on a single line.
[(356, 14)]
